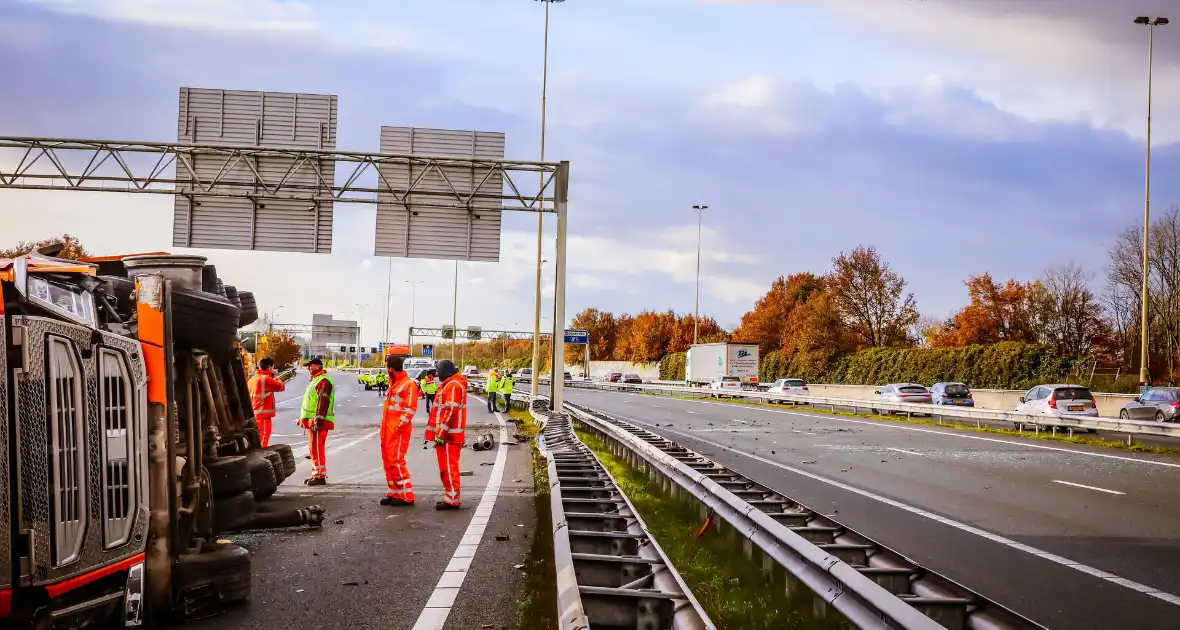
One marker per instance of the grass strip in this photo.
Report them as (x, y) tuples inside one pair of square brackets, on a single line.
[(537, 606), (732, 590), (1061, 436)]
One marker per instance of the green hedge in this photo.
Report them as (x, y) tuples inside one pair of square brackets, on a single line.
[(672, 367), (1007, 365)]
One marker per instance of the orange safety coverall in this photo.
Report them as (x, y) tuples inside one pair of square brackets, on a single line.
[(317, 437), (401, 402), (263, 386), (448, 420)]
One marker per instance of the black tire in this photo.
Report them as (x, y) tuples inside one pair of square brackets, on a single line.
[(287, 456), (1123, 415), (229, 475), (276, 462), (209, 279), (221, 289), (1159, 416), (204, 321), (262, 476), (225, 565), (231, 294), (233, 512), (249, 308)]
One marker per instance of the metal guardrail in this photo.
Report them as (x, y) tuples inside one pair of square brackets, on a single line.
[(608, 567), (871, 585), (1016, 418)]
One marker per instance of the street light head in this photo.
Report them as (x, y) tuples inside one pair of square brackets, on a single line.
[(700, 207), (1143, 19), (1161, 21)]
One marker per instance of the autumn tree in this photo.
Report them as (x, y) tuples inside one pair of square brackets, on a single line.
[(871, 299), (1068, 314), (1125, 278), (647, 337), (814, 335), (603, 329), (764, 325), (996, 312), (283, 348), (708, 331), (66, 246)]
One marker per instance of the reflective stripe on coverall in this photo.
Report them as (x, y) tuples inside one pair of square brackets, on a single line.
[(401, 402), (317, 439)]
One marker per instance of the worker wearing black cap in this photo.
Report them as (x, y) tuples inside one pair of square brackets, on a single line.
[(317, 415), (446, 427)]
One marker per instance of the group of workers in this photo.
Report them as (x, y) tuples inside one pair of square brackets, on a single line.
[(500, 385), (445, 392)]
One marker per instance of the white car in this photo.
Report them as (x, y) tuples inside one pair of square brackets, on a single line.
[(788, 386), (903, 393), (726, 383), (1066, 402), (470, 370), (525, 375)]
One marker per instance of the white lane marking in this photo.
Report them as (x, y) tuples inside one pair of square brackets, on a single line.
[(902, 427), (1078, 485), (343, 447), (1073, 564), (658, 406), (693, 413), (902, 450), (442, 599)]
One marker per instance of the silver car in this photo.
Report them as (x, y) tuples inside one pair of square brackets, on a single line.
[(1059, 400), (1161, 404)]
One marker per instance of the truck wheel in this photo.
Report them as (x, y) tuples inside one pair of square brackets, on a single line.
[(249, 308), (231, 292), (204, 321), (233, 512), (229, 475), (262, 476), (276, 462), (284, 451), (225, 565)]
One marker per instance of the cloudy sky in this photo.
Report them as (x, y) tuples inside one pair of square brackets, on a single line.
[(956, 136)]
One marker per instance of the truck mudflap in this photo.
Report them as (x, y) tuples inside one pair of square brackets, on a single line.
[(82, 501)]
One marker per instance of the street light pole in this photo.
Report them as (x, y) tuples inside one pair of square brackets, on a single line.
[(696, 316), (388, 291), (1144, 375), (455, 313), (541, 215), (414, 300)]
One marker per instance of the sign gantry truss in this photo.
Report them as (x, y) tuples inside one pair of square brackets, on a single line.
[(165, 167), (478, 335)]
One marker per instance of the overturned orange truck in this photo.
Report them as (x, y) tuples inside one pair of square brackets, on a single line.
[(127, 442)]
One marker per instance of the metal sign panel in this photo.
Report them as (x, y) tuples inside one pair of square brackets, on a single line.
[(577, 336), (427, 350), (262, 221), (451, 212)]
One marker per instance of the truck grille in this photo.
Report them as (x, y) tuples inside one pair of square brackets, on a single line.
[(119, 480), (67, 450)]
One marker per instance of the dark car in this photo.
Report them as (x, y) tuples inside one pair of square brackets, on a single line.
[(632, 379), (1161, 404), (952, 394), (613, 377)]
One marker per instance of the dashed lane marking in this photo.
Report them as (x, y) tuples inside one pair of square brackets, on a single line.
[(902, 450), (1078, 485)]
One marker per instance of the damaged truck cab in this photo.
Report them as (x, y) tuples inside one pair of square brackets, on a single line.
[(127, 442)]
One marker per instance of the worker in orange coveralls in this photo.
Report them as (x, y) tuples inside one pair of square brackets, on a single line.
[(397, 415), (263, 386), (448, 421), (317, 414)]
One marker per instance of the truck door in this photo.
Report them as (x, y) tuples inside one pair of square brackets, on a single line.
[(6, 464), (80, 444)]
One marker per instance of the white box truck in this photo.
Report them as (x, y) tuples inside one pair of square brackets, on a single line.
[(707, 361)]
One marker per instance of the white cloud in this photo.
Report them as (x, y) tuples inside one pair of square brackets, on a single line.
[(290, 16), (755, 91)]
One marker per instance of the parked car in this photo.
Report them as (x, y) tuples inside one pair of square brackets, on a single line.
[(952, 394), (470, 370), (725, 383), (1062, 401), (613, 377), (1161, 404), (632, 379), (788, 386), (525, 375), (903, 393)]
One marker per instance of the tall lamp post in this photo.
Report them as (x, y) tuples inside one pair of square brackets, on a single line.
[(414, 300), (1144, 376), (540, 215), (696, 315)]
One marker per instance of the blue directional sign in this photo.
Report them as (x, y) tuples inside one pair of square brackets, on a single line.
[(577, 336), (428, 350), (365, 356)]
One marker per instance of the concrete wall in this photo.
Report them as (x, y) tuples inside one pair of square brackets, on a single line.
[(646, 371), (1108, 404)]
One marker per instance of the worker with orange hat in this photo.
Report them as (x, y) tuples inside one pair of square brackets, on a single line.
[(397, 415)]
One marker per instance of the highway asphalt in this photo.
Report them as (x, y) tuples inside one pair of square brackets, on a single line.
[(1071, 537), (372, 566)]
